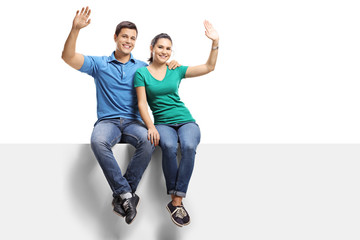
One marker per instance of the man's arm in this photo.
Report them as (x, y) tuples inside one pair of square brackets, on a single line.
[(69, 54)]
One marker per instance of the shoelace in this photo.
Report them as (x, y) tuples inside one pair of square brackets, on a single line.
[(126, 205), (180, 213)]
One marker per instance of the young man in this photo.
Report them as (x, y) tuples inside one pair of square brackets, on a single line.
[(118, 115)]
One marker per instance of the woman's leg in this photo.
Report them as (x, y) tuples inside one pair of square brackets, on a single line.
[(169, 143), (189, 135)]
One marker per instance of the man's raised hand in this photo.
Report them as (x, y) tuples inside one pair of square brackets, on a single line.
[(82, 19)]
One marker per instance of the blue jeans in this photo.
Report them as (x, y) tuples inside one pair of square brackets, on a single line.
[(177, 177), (109, 132)]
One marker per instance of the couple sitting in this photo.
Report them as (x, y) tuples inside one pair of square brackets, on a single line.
[(124, 88)]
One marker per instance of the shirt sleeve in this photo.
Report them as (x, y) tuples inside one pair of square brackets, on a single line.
[(139, 79), (182, 71), (89, 66)]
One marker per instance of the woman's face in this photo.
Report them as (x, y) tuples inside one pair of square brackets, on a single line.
[(162, 50)]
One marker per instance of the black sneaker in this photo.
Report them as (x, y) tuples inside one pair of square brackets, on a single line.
[(118, 209), (186, 218), (178, 215), (129, 205)]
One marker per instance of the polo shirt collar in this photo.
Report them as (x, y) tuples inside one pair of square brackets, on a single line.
[(113, 59)]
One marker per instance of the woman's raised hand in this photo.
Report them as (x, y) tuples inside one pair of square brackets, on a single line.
[(210, 31), (81, 19)]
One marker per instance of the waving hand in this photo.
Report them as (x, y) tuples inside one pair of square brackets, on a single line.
[(82, 19), (210, 31), (209, 66)]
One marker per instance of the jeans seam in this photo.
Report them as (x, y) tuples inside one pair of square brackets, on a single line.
[(115, 141), (131, 135)]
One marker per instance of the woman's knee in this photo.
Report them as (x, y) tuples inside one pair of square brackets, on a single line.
[(189, 147), (169, 146)]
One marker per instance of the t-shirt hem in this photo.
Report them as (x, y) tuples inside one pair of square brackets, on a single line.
[(120, 116), (189, 121)]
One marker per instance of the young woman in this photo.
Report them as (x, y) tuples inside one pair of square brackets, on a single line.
[(157, 86)]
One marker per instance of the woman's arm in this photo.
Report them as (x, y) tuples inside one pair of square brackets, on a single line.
[(209, 66), (153, 134)]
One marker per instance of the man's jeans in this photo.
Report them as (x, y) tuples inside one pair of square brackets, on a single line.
[(188, 135), (109, 132)]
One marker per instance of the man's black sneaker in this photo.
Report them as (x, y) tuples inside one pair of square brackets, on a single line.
[(118, 209), (178, 215), (117, 204), (129, 205)]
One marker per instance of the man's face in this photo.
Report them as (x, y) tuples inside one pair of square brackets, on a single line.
[(125, 41)]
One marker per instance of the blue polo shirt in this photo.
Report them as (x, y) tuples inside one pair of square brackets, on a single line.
[(115, 92)]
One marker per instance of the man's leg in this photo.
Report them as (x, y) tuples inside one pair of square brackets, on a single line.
[(135, 133), (105, 135)]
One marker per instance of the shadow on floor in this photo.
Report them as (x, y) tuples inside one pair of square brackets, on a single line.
[(91, 197)]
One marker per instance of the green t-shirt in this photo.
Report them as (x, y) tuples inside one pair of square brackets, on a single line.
[(163, 97)]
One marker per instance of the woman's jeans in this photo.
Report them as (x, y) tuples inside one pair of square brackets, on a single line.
[(109, 132), (177, 177)]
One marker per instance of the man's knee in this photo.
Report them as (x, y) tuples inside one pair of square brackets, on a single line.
[(146, 145), (97, 142)]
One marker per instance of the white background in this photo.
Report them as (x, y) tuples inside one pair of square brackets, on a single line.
[(287, 72)]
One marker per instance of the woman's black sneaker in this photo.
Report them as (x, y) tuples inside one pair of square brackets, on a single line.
[(178, 215)]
